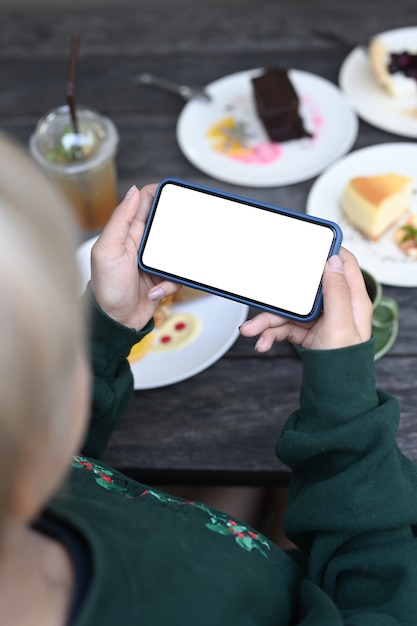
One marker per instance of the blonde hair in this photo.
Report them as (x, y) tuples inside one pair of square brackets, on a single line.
[(41, 328)]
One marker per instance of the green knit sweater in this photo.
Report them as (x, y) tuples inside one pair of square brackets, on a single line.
[(160, 561)]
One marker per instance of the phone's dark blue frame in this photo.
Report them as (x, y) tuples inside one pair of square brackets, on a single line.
[(337, 240)]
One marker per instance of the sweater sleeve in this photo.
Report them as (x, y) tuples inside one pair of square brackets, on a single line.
[(112, 380), (353, 495)]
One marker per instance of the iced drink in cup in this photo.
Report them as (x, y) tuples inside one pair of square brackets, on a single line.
[(81, 164)]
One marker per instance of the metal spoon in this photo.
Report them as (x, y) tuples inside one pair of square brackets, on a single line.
[(185, 91)]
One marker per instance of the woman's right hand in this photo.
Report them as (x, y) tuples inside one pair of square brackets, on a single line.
[(346, 318)]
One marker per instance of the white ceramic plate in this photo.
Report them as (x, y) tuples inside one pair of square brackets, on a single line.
[(219, 318), (370, 100), (382, 258), (258, 162)]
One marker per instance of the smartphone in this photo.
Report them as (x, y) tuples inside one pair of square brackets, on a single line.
[(231, 246)]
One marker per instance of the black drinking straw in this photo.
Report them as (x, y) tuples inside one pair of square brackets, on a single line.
[(70, 91)]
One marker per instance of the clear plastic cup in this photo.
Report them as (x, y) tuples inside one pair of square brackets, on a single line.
[(81, 164)]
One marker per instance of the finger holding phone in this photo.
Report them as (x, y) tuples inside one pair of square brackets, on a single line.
[(346, 318)]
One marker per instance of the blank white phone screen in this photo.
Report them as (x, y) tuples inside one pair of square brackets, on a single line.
[(246, 251)]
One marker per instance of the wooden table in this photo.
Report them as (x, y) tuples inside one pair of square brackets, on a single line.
[(221, 425)]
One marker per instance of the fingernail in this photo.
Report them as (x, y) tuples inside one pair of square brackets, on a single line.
[(244, 324), (336, 264), (259, 343), (156, 294), (130, 192)]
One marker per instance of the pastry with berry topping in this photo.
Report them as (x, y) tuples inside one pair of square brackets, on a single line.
[(395, 71)]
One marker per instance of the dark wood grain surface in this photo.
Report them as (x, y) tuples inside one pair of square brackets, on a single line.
[(221, 425)]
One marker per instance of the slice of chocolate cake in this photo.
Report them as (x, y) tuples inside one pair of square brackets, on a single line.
[(277, 105)]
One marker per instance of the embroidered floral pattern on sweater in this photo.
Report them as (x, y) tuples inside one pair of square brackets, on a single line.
[(244, 537), (218, 522), (221, 523), (103, 475)]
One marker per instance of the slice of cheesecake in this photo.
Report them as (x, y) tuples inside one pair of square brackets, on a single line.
[(374, 203), (396, 72)]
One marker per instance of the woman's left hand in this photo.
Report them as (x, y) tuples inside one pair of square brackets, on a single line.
[(121, 289)]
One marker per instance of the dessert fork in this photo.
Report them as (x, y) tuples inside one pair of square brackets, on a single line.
[(187, 92)]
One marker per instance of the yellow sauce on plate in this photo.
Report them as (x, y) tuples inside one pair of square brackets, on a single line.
[(178, 330)]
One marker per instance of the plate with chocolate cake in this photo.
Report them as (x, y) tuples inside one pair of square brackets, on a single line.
[(371, 194), (267, 127), (380, 81)]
